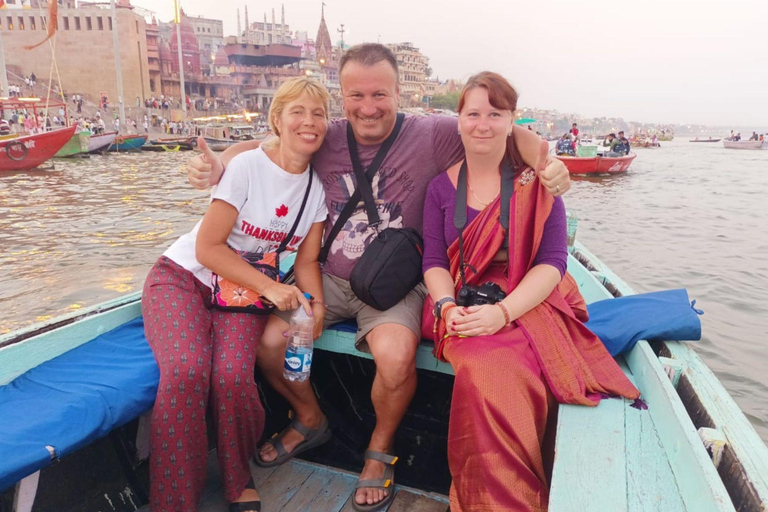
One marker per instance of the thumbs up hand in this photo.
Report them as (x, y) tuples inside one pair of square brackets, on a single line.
[(205, 169), (552, 172)]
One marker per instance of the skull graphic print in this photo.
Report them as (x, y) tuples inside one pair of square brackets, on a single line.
[(356, 234)]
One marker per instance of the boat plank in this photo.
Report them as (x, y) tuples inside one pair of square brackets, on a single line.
[(283, 484), (651, 485), (700, 486), (590, 448), (724, 414), (306, 494), (334, 495)]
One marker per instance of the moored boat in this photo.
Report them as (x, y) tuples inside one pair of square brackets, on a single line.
[(127, 142), (704, 140), (597, 164), (100, 142), (692, 449), (29, 151), (220, 136), (78, 144), (743, 144), (170, 146)]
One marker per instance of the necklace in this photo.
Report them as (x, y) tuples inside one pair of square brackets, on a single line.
[(478, 199)]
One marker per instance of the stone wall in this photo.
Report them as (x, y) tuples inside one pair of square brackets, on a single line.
[(85, 57)]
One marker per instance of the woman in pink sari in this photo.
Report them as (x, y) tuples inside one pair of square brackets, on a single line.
[(515, 359)]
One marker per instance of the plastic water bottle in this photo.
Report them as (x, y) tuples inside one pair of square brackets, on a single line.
[(298, 353), (572, 223)]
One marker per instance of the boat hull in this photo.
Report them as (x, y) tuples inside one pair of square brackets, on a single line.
[(743, 144), (30, 151), (76, 145), (705, 140), (597, 165), (101, 141), (127, 142)]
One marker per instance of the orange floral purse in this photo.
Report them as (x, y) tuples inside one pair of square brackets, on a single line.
[(230, 296)]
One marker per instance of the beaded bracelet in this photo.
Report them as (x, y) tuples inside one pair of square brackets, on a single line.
[(507, 319), (315, 301)]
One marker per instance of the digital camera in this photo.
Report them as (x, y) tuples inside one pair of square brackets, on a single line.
[(486, 293)]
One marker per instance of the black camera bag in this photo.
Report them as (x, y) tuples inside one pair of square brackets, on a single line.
[(390, 267)]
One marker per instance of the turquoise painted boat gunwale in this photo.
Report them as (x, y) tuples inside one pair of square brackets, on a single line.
[(127, 142), (610, 457)]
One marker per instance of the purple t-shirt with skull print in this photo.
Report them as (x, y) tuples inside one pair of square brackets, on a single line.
[(425, 147)]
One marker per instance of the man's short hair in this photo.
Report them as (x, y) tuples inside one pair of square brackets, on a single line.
[(621, 132), (369, 54)]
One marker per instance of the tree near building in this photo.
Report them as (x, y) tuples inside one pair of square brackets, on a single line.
[(448, 101)]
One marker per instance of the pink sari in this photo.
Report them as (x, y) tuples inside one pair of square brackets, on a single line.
[(507, 383)]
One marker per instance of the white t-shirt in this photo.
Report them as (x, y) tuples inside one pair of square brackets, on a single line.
[(268, 200)]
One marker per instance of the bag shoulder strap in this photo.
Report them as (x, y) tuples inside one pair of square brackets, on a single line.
[(290, 233), (365, 182)]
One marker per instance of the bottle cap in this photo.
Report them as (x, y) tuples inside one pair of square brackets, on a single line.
[(308, 296)]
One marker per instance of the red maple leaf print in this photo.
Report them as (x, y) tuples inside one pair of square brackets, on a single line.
[(282, 211)]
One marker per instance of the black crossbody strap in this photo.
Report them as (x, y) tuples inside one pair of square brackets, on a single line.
[(354, 199), (290, 233), (460, 209)]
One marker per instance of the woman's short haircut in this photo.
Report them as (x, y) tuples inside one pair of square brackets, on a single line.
[(501, 95), (369, 54), (291, 90)]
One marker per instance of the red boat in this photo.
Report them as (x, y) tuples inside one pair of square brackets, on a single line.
[(597, 164), (29, 151)]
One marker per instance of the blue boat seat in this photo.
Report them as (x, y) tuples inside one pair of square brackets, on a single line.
[(65, 403)]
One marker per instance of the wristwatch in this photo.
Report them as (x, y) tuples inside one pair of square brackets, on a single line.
[(439, 305)]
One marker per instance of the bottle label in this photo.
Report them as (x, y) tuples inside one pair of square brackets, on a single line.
[(298, 362)]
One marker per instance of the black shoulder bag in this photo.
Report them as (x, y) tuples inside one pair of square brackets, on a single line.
[(390, 267)]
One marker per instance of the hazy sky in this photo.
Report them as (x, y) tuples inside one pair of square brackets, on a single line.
[(675, 61)]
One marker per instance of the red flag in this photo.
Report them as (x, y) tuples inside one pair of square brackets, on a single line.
[(2, 4), (53, 22)]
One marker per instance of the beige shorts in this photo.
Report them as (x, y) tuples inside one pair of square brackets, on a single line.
[(342, 304)]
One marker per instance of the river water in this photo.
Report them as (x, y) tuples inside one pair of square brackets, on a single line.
[(685, 215)]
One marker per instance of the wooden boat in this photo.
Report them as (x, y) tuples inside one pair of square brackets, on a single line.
[(172, 146), (77, 145), (220, 136), (127, 142), (704, 140), (100, 142), (743, 144), (598, 164), (29, 151), (692, 450)]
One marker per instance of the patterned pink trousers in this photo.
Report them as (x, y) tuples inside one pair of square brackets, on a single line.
[(205, 357)]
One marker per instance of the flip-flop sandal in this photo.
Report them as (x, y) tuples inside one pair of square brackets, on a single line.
[(313, 437), (386, 482), (246, 506)]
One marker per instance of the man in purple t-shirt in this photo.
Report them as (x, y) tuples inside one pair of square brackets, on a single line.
[(425, 147)]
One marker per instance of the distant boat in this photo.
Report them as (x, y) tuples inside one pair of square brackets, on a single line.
[(597, 164), (29, 151), (99, 142), (220, 136), (127, 142), (705, 140), (743, 144), (77, 145)]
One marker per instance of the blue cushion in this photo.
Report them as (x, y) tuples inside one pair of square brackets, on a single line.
[(75, 399), (664, 315)]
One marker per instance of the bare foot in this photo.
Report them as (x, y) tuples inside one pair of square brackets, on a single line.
[(372, 470), (291, 439), (248, 495)]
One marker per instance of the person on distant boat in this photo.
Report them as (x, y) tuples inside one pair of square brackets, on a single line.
[(564, 146), (5, 127), (574, 131), (207, 356), (609, 140), (514, 359)]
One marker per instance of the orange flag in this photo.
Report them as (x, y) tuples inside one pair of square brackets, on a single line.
[(53, 22)]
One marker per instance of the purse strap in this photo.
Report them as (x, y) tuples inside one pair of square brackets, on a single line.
[(364, 188), (290, 233), (460, 209)]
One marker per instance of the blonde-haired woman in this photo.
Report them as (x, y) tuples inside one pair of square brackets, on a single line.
[(207, 356)]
